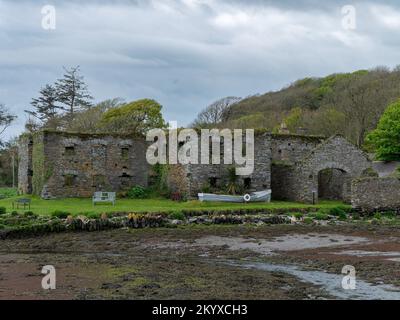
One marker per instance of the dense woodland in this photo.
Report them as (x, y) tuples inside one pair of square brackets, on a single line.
[(347, 103)]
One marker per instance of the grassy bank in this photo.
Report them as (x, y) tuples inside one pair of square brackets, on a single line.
[(75, 206)]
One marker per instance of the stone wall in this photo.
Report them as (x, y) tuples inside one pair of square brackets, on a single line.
[(301, 181), (370, 194), (56, 164), (291, 148), (25, 164), (76, 165), (199, 177), (177, 179)]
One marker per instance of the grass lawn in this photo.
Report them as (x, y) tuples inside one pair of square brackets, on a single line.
[(75, 206)]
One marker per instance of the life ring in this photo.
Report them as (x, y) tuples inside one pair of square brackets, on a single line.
[(247, 198)]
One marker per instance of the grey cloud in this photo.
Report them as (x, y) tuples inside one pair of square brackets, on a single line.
[(187, 53)]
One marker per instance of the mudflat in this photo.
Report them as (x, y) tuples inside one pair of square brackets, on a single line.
[(206, 262)]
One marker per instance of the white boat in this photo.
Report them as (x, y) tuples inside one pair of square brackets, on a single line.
[(260, 196)]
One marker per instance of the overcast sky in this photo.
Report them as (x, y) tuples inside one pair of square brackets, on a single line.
[(188, 53)]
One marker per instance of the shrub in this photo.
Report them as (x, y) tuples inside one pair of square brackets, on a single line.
[(3, 210), (177, 216), (342, 216), (8, 192), (206, 188), (138, 192), (30, 214), (388, 214), (320, 216), (337, 211), (92, 215), (60, 214), (308, 220), (378, 216), (14, 213)]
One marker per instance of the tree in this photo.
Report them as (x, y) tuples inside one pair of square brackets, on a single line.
[(72, 92), (294, 119), (215, 113), (89, 120), (46, 108), (6, 118), (325, 121), (9, 163), (362, 100), (385, 139), (136, 117)]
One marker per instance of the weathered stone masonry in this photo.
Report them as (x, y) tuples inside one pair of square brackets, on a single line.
[(370, 194), (76, 165), (300, 180), (193, 178), (296, 168)]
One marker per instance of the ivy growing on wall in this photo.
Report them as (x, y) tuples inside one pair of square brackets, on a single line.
[(41, 171)]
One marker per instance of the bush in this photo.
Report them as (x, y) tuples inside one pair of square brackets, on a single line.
[(177, 216), (308, 220), (3, 210), (138, 192), (92, 215), (14, 213), (377, 216), (8, 192), (337, 211), (389, 214), (60, 214), (320, 216), (30, 214), (342, 216)]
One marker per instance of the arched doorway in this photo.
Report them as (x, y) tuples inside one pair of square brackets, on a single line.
[(334, 184)]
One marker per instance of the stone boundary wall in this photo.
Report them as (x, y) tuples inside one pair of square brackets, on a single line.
[(25, 165), (371, 194)]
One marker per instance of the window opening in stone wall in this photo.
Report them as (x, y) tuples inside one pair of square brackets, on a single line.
[(69, 180), (69, 151), (125, 153), (247, 183)]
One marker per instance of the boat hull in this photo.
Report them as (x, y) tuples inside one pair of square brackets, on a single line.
[(261, 196)]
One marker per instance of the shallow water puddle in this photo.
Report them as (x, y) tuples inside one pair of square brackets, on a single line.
[(331, 283), (282, 243), (363, 253)]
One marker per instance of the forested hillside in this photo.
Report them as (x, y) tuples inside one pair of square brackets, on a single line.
[(348, 103)]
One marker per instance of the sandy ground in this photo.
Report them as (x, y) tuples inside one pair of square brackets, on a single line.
[(206, 262)]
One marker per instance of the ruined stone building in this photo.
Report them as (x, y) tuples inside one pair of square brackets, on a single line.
[(58, 164), (296, 168)]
